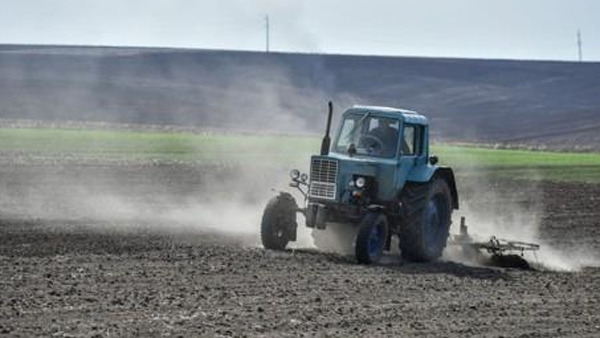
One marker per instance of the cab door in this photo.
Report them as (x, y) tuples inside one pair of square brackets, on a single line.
[(411, 150)]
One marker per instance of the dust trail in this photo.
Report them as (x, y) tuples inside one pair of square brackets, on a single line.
[(234, 218), (228, 199), (509, 210), (224, 199), (247, 93)]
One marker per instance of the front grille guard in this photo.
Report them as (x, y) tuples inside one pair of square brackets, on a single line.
[(323, 179)]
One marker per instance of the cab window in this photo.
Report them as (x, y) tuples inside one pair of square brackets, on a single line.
[(411, 140), (368, 135)]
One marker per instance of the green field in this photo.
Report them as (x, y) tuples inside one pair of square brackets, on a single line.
[(169, 147)]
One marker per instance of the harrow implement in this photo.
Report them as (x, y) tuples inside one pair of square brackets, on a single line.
[(503, 252)]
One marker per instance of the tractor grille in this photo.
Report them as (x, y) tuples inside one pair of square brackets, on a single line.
[(323, 178)]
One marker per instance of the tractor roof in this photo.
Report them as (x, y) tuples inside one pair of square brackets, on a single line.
[(405, 115)]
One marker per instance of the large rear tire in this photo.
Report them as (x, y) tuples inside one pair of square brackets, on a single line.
[(278, 226), (371, 238), (426, 219)]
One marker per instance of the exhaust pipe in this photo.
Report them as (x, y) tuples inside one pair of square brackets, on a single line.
[(326, 140)]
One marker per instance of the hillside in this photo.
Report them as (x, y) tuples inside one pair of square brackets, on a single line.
[(554, 104)]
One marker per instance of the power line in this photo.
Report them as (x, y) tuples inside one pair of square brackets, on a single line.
[(579, 43), (267, 32)]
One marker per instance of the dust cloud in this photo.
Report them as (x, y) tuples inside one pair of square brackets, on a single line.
[(227, 201), (248, 95), (247, 92), (226, 198), (514, 212)]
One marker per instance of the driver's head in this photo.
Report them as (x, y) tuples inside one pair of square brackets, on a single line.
[(387, 123)]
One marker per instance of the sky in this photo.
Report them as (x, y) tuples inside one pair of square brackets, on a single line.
[(504, 29)]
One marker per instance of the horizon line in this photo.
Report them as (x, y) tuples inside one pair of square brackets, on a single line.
[(271, 51)]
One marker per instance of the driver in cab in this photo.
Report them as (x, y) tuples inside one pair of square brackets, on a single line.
[(385, 137)]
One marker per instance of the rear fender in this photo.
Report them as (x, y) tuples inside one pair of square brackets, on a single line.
[(425, 174)]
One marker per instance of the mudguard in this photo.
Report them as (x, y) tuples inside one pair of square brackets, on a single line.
[(423, 174)]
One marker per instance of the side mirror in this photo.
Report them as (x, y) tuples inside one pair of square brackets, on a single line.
[(433, 160)]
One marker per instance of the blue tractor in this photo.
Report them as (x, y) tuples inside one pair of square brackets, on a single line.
[(377, 180)]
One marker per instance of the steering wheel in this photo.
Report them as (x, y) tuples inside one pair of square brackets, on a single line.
[(371, 142)]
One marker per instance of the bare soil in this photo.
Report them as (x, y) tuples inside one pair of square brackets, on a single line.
[(69, 274)]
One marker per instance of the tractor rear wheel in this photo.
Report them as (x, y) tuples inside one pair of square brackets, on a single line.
[(278, 226), (426, 218), (371, 238)]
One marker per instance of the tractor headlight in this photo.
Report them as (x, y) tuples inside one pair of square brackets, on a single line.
[(303, 177), (360, 182), (294, 174)]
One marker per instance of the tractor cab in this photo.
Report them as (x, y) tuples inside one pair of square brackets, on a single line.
[(375, 151), (380, 132)]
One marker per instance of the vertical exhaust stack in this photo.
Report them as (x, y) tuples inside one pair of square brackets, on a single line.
[(326, 140)]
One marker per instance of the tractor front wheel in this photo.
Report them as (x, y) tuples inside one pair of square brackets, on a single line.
[(371, 238), (278, 226)]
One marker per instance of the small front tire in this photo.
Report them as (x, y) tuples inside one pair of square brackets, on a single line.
[(371, 238), (278, 226)]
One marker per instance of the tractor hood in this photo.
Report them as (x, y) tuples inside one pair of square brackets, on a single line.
[(331, 176)]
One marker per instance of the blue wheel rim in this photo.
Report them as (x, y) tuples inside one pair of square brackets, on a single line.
[(376, 239), (435, 221)]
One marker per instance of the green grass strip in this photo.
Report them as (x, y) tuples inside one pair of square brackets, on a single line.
[(240, 148)]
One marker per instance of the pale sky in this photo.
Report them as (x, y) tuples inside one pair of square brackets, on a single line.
[(513, 29)]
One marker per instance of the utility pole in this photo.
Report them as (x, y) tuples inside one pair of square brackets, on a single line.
[(267, 31), (579, 45)]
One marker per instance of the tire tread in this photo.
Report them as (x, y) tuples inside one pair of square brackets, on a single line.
[(415, 197), (279, 212)]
